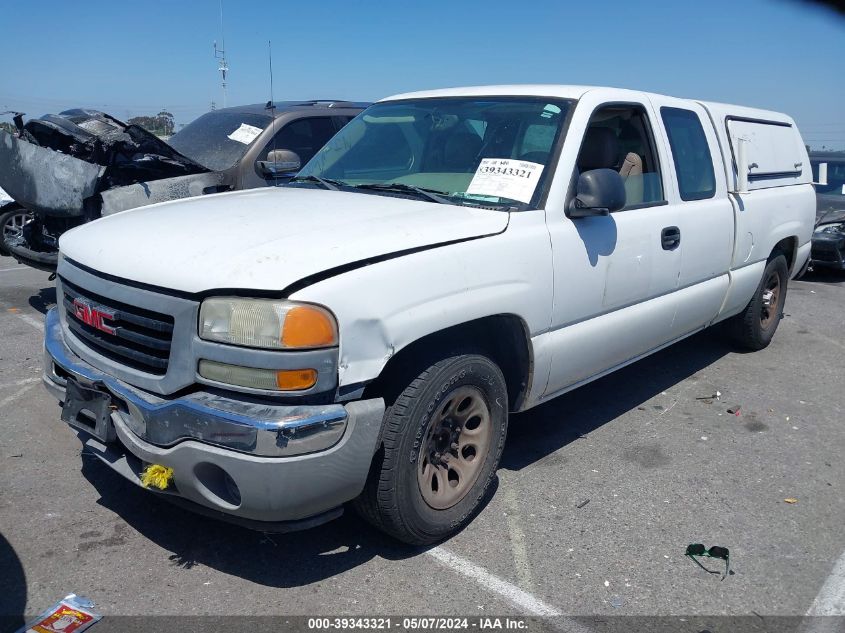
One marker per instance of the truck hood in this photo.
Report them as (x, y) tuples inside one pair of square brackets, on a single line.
[(829, 208), (266, 239)]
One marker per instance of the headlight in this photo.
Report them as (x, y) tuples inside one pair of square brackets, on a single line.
[(268, 324), (837, 227)]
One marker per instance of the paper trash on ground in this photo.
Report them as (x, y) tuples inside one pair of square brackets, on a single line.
[(72, 614)]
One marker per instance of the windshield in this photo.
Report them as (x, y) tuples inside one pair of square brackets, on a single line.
[(219, 139), (835, 177), (488, 151)]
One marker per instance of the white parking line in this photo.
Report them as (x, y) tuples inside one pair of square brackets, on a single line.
[(37, 324), (9, 270), (14, 396), (531, 604), (831, 597), (18, 383), (517, 538)]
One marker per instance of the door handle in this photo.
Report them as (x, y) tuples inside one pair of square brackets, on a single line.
[(670, 238)]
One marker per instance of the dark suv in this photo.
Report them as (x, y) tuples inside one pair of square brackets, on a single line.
[(80, 165), (828, 249)]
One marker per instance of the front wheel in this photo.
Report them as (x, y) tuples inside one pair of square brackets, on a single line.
[(442, 440), (11, 227), (754, 327)]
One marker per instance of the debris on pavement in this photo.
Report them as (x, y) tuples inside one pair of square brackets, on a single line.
[(735, 410), (696, 550), (583, 503), (791, 500), (71, 614), (616, 602), (716, 396)]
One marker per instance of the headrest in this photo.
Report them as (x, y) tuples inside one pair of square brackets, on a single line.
[(461, 150), (600, 149)]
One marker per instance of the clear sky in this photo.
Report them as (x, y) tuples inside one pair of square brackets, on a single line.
[(132, 58)]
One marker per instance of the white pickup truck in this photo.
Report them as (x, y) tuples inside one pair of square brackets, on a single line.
[(362, 334)]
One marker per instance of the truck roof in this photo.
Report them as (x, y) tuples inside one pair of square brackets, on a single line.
[(550, 90), (565, 91)]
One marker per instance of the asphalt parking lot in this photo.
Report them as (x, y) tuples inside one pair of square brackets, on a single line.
[(599, 493)]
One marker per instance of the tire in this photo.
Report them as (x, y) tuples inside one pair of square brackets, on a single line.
[(416, 493), (11, 223), (754, 327)]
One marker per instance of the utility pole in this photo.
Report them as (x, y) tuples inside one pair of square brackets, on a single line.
[(220, 54)]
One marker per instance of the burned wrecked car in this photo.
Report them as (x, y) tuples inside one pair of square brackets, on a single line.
[(828, 249), (80, 165), (12, 219)]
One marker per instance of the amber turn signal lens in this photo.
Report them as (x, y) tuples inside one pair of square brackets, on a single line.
[(296, 379), (308, 326)]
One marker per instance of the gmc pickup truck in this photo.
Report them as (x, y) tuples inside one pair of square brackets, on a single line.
[(449, 257)]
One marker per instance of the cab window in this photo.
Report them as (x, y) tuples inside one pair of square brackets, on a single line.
[(690, 153), (619, 137)]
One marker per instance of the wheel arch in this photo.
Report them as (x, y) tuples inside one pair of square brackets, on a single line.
[(789, 247), (505, 337)]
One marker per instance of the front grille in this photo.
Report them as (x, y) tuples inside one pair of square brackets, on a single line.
[(824, 255), (140, 339)]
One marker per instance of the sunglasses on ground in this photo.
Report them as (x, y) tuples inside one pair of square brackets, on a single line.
[(697, 549)]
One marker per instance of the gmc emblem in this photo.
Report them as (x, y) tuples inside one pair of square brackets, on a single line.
[(95, 317)]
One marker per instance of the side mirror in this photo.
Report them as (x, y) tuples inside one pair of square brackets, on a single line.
[(280, 163), (599, 192)]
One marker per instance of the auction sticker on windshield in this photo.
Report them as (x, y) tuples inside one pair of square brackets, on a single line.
[(506, 178), (245, 134)]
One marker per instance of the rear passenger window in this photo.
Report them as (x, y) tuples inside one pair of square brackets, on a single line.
[(691, 154)]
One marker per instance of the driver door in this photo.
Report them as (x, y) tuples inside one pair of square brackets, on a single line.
[(614, 274)]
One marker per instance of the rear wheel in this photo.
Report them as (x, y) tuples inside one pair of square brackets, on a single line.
[(11, 227), (442, 440), (754, 327)]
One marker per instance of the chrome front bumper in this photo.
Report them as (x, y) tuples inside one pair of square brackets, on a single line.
[(249, 427), (257, 461)]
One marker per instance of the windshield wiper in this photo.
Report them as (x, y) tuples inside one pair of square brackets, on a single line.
[(327, 183), (398, 187)]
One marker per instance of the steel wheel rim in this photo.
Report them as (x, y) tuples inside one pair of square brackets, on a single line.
[(771, 300), (13, 227), (455, 447)]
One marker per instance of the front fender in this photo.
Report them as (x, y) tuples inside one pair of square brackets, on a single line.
[(385, 307)]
